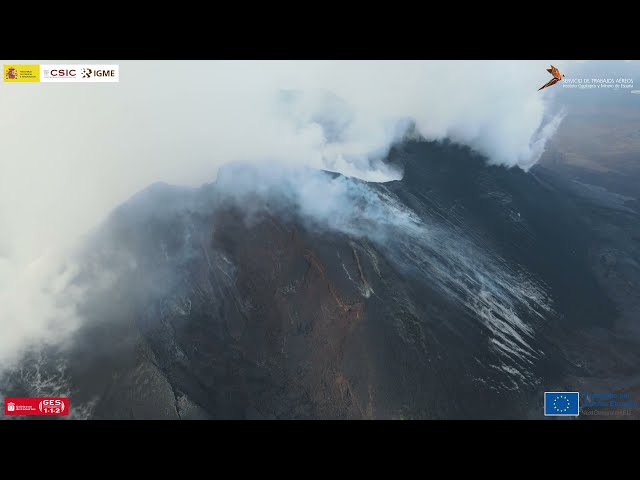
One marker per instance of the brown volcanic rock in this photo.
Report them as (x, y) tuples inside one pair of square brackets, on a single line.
[(294, 322)]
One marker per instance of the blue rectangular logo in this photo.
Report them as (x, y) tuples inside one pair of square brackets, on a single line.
[(559, 404)]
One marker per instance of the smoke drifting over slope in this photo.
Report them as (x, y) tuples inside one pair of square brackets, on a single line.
[(439, 255), (70, 152)]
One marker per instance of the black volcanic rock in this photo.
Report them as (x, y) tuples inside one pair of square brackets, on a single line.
[(523, 216), (456, 303)]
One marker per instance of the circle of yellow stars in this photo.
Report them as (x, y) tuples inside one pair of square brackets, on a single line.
[(555, 403)]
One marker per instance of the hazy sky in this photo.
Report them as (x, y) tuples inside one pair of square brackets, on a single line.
[(71, 152)]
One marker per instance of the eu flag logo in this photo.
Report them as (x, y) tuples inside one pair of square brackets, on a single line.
[(561, 403)]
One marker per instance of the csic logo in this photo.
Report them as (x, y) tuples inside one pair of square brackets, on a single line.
[(60, 73)]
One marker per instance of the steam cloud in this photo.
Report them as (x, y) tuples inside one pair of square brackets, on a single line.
[(70, 152)]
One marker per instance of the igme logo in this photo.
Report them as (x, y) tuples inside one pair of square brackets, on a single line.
[(88, 73)]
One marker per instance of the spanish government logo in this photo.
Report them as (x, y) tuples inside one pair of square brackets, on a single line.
[(21, 73)]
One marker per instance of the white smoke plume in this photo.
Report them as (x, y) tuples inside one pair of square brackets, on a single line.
[(71, 152)]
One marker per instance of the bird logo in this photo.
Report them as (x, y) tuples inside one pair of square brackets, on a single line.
[(557, 76)]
